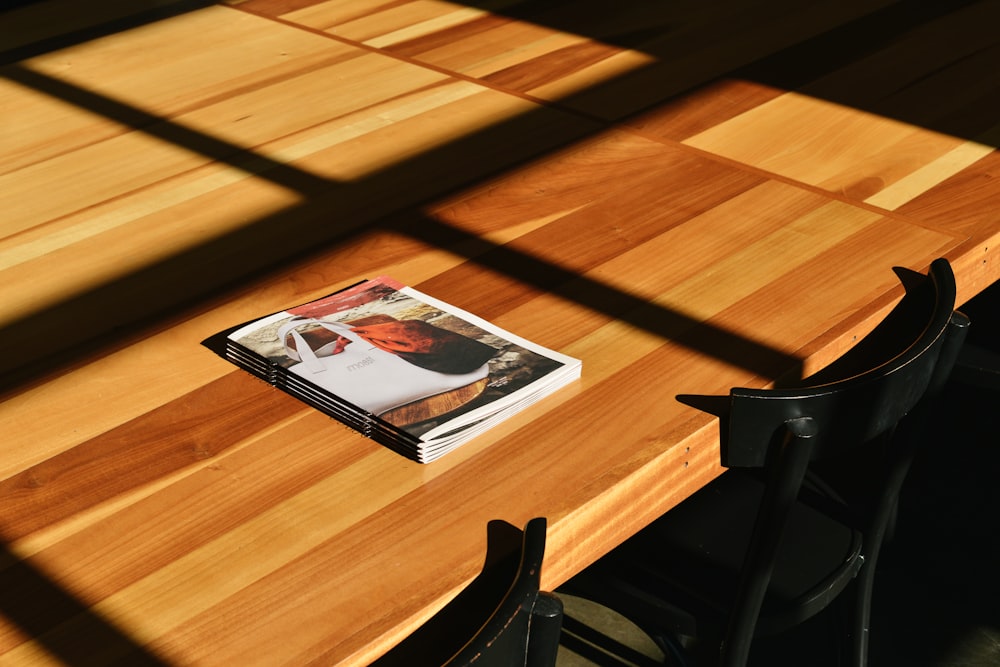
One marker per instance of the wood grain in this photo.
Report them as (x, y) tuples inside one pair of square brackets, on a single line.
[(687, 199)]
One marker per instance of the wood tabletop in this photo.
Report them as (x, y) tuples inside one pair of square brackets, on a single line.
[(685, 202)]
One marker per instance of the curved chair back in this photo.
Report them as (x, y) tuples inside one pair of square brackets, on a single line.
[(877, 382), (847, 411), (499, 619), (524, 629)]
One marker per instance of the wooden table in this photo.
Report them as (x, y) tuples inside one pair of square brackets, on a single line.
[(684, 208)]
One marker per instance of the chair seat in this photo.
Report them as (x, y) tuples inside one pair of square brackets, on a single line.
[(693, 556)]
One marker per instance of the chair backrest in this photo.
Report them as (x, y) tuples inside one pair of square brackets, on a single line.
[(500, 619), (524, 629), (839, 413), (878, 381)]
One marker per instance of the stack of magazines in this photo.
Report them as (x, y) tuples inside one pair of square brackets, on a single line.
[(411, 372)]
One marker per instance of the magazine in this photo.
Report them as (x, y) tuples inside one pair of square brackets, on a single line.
[(407, 370)]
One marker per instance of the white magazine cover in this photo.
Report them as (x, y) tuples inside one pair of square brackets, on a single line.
[(432, 371)]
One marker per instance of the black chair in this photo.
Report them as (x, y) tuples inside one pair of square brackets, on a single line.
[(522, 623), (814, 475)]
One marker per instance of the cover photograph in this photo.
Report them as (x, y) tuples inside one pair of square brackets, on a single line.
[(399, 366)]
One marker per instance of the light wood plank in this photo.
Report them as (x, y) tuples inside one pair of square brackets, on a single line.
[(858, 154)]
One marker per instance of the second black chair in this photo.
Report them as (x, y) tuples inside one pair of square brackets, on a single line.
[(814, 474), (524, 628), (501, 619)]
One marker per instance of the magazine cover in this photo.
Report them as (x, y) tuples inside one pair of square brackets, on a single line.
[(429, 372)]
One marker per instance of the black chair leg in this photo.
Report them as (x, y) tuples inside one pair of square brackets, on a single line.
[(858, 656), (544, 629)]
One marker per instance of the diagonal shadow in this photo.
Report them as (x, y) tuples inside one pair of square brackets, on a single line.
[(270, 241), (908, 60), (64, 626), (810, 59), (262, 244), (141, 12)]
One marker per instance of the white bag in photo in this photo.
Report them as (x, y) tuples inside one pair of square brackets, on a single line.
[(364, 375)]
